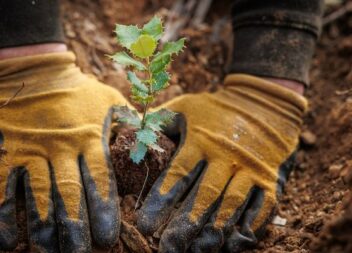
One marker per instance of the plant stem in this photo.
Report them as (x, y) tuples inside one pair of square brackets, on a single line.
[(146, 106), (145, 109)]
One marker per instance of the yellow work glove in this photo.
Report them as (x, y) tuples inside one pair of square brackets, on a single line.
[(56, 134), (236, 151)]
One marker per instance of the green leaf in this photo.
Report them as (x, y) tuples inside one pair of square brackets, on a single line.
[(167, 116), (138, 152), (171, 48), (146, 136), (141, 96), (144, 47), (153, 122), (160, 64), (136, 82), (160, 81), (124, 114), (154, 28), (127, 34), (156, 120), (126, 60)]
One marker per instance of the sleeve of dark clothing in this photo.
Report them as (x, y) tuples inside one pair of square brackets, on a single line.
[(275, 38), (29, 22)]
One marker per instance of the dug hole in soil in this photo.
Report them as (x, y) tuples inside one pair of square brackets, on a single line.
[(316, 209)]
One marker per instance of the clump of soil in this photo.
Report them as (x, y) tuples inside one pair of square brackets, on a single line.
[(131, 183), (130, 176)]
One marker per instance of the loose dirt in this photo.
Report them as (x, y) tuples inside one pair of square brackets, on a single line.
[(130, 176), (317, 203)]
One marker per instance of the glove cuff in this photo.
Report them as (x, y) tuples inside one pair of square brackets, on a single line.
[(38, 73), (267, 87)]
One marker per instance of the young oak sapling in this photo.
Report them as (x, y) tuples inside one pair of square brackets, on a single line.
[(144, 58)]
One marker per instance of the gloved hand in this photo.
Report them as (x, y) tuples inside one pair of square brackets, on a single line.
[(56, 134), (236, 150)]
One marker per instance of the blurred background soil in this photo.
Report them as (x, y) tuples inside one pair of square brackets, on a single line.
[(315, 214)]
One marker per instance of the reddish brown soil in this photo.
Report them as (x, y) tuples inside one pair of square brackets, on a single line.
[(336, 236), (318, 191), (130, 176)]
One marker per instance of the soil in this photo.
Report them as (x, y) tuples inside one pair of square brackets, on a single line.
[(131, 176), (317, 204)]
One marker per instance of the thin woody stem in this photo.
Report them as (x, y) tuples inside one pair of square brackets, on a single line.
[(142, 190), (11, 98), (144, 114), (146, 106)]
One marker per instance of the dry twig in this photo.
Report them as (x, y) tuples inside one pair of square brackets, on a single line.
[(11, 98), (133, 239), (201, 12), (343, 10), (343, 92), (181, 14)]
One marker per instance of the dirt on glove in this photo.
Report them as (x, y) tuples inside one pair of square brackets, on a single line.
[(316, 209)]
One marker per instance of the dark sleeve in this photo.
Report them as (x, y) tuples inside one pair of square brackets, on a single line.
[(28, 22), (275, 38)]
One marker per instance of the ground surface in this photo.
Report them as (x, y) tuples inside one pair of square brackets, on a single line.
[(317, 192)]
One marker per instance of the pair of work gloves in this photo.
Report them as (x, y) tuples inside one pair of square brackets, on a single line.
[(236, 150)]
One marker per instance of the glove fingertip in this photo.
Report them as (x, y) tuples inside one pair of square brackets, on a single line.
[(145, 224), (105, 233), (238, 242), (8, 237)]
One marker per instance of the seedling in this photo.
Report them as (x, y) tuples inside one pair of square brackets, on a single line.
[(144, 59)]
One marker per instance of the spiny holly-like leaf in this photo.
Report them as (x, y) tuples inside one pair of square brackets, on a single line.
[(146, 136), (167, 116), (126, 60), (125, 115), (136, 82), (138, 152), (156, 120), (127, 34), (144, 47), (153, 123), (171, 48), (154, 28), (160, 64), (160, 81)]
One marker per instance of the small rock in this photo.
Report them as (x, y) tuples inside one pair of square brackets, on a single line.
[(306, 198), (128, 203), (336, 196), (335, 170), (308, 138), (279, 221), (346, 173), (300, 157)]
